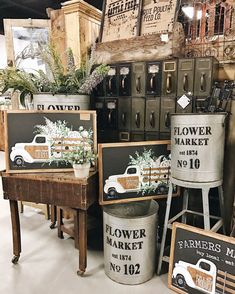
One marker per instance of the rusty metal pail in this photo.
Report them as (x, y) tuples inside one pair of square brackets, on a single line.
[(197, 146), (130, 238)]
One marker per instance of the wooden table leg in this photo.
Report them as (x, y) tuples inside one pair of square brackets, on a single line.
[(53, 216), (60, 222), (15, 222), (82, 215)]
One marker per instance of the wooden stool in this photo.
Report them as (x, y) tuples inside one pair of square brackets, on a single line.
[(205, 187)]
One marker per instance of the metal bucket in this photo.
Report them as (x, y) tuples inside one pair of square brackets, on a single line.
[(46, 101), (197, 147), (130, 241)]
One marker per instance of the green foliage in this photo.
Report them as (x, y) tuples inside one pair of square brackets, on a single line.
[(59, 79), (144, 159), (57, 129), (79, 155), (147, 189)]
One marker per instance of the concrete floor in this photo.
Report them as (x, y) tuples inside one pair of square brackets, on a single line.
[(48, 264)]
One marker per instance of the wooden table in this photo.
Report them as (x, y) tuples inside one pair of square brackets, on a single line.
[(58, 189)]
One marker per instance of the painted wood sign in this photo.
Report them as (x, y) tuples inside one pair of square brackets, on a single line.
[(120, 19), (134, 171), (157, 16), (201, 261), (37, 141)]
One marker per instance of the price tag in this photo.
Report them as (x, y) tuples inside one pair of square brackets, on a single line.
[(184, 101)]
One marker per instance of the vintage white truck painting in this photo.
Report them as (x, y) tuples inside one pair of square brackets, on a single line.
[(142, 177), (41, 149), (200, 276), (54, 140)]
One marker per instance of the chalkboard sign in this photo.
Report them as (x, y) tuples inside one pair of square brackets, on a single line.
[(121, 19), (134, 171), (39, 141), (201, 261)]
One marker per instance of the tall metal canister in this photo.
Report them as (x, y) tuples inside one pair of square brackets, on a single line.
[(130, 232), (197, 146)]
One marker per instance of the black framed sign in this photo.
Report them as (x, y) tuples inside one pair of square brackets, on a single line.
[(39, 141), (134, 171), (201, 261), (120, 20)]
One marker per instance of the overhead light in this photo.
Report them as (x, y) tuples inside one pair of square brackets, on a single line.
[(189, 12)]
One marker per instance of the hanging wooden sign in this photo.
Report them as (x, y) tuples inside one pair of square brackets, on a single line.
[(120, 19), (157, 16), (201, 261)]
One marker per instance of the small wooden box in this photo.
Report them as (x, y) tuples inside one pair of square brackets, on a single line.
[(143, 48)]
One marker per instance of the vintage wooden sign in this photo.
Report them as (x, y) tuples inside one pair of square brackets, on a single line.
[(121, 19), (158, 16), (41, 141), (133, 171), (201, 261)]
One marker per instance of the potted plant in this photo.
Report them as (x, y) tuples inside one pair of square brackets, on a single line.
[(81, 156), (58, 80)]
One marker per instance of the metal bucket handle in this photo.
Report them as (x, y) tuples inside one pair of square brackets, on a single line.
[(225, 117)]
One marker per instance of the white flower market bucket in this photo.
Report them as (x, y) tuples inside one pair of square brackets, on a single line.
[(47, 101), (197, 146), (130, 238)]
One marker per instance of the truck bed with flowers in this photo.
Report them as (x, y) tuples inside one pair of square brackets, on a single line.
[(43, 148)]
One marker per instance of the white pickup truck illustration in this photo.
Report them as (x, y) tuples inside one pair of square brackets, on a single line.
[(41, 149), (201, 276), (135, 178)]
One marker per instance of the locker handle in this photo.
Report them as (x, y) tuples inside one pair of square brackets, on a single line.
[(110, 83), (152, 119), (110, 117), (124, 118), (123, 82), (138, 86), (185, 83), (167, 120), (169, 83), (151, 81), (203, 82), (137, 119)]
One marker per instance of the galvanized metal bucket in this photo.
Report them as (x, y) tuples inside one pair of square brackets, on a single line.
[(47, 101), (130, 241), (197, 147)]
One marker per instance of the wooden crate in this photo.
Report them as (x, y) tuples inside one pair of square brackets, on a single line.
[(82, 26), (143, 48)]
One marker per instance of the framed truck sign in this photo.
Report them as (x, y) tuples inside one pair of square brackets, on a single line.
[(201, 261), (134, 171), (121, 19), (39, 141)]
